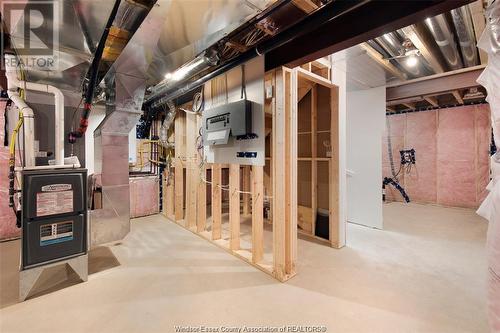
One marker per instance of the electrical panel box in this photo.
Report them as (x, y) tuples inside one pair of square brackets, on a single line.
[(233, 124), (233, 119), (54, 215)]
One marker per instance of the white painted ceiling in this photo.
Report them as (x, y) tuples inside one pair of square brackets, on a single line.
[(362, 71)]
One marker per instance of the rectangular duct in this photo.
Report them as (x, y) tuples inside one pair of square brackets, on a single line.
[(112, 222)]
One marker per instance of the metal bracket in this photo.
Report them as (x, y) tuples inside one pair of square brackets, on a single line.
[(28, 277)]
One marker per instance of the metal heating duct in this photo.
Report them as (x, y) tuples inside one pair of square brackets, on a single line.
[(462, 21), (442, 33)]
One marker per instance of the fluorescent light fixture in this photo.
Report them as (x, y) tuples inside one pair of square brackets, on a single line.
[(412, 61), (183, 71)]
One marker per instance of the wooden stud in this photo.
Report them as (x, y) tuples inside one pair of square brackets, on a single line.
[(234, 206), (257, 213), (278, 179), (432, 100), (458, 97), (216, 202), (201, 202), (246, 188), (479, 22), (179, 190), (410, 106), (292, 234), (306, 6), (191, 170), (168, 194), (180, 153), (314, 155), (284, 175), (313, 77), (336, 226)]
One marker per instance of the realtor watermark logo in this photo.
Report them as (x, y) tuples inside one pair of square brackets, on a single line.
[(33, 27)]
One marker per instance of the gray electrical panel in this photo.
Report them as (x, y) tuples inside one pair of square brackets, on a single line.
[(54, 215), (233, 119)]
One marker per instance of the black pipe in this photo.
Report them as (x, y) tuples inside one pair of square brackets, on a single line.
[(325, 14), (94, 71)]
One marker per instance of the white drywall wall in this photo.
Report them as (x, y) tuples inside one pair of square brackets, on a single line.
[(339, 78), (365, 126)]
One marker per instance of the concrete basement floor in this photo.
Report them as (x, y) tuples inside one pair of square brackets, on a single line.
[(424, 273)]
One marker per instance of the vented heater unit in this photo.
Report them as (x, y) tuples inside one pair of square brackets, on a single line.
[(54, 215)]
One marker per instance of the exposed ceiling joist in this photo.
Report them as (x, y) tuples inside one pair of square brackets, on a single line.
[(424, 42), (435, 84), (479, 22), (306, 6), (390, 109), (458, 97), (411, 100), (432, 100), (409, 105), (386, 64)]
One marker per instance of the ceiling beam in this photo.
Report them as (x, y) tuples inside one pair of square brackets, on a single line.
[(410, 106), (390, 109), (479, 22), (432, 100), (458, 97), (426, 45), (337, 32), (411, 100), (385, 63), (306, 6), (435, 84)]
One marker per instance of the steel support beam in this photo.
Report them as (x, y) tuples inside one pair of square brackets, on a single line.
[(435, 84), (363, 22)]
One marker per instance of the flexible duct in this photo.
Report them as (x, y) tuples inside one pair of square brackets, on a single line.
[(463, 25), (443, 35)]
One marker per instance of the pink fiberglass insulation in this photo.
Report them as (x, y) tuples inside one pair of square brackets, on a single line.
[(452, 153), (144, 196), (8, 227), (421, 132), (397, 129), (456, 155)]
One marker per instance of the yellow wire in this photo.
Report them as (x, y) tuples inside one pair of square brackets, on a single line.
[(12, 147)]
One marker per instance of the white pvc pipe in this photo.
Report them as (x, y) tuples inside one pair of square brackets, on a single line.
[(13, 83)]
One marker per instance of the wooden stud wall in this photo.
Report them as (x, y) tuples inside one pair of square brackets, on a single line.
[(249, 187)]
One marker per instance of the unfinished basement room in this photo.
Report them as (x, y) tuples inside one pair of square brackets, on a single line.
[(250, 166)]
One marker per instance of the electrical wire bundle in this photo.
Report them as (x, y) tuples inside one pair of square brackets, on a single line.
[(394, 181)]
